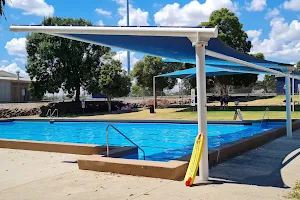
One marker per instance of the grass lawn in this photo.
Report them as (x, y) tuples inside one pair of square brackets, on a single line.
[(175, 114), (278, 100)]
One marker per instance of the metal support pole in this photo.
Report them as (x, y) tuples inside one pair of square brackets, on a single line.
[(154, 94), (288, 106), (201, 106), (128, 52), (293, 94)]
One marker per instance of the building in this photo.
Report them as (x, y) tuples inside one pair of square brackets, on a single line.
[(280, 84), (13, 88)]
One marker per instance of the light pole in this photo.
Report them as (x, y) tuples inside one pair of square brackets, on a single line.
[(128, 52)]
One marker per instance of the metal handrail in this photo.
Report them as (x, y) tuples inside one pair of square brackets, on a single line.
[(54, 112), (107, 146), (48, 112), (266, 111)]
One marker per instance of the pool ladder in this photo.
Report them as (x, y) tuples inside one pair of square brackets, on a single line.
[(50, 113), (107, 145), (266, 111)]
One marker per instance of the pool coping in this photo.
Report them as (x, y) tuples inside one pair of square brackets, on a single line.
[(70, 148), (174, 169)]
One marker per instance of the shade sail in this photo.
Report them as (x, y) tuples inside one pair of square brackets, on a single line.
[(212, 71), (191, 73), (177, 48), (167, 42)]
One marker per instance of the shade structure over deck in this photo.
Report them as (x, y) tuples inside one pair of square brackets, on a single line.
[(213, 71), (198, 45), (191, 73)]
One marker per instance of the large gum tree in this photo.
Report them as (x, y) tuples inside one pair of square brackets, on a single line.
[(55, 62), (231, 32)]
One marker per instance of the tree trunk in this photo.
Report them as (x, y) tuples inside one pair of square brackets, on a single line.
[(109, 103), (77, 97)]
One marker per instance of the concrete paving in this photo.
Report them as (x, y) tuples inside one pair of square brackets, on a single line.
[(264, 173)]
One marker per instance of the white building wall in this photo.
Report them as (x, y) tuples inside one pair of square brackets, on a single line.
[(5, 91)]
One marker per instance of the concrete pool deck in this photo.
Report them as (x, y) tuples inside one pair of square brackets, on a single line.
[(264, 173)]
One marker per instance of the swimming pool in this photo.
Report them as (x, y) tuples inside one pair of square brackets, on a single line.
[(160, 141)]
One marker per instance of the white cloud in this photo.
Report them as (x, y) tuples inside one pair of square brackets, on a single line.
[(292, 5), (13, 68), (100, 23), (272, 13), (281, 30), (256, 5), (32, 7), (283, 42), (122, 56), (100, 11), (17, 47), (191, 14), (254, 33), (137, 17), (21, 60), (4, 61)]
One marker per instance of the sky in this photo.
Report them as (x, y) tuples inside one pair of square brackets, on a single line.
[(273, 26)]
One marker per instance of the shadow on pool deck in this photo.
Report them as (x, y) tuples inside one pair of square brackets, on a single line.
[(261, 167)]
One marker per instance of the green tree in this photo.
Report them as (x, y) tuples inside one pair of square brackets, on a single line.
[(113, 81), (269, 83), (55, 62), (2, 4), (150, 66), (298, 65), (259, 55), (138, 91), (231, 32), (230, 29)]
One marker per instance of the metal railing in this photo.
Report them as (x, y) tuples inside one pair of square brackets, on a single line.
[(107, 145), (49, 114), (266, 111)]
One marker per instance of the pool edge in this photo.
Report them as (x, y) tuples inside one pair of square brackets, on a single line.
[(70, 148)]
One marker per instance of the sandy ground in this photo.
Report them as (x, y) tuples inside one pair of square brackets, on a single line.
[(265, 173)]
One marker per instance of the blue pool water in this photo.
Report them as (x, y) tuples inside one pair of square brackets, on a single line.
[(161, 142)]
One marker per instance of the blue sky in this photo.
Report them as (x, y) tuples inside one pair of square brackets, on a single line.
[(272, 25)]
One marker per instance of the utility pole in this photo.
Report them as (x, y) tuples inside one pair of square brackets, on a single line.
[(128, 52)]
